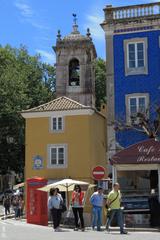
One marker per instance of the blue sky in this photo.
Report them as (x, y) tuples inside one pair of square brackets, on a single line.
[(34, 23)]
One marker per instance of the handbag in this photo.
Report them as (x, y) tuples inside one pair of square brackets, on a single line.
[(63, 207), (108, 205)]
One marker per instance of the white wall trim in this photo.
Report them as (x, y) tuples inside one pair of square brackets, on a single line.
[(57, 113)]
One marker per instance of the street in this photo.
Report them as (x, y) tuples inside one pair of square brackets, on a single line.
[(19, 230)]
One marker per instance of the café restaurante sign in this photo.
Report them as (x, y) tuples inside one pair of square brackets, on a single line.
[(144, 152)]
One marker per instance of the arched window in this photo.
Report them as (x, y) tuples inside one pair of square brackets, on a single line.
[(74, 73)]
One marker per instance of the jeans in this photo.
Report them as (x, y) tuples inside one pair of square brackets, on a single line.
[(96, 217), (78, 214), (119, 215), (7, 210), (56, 217)]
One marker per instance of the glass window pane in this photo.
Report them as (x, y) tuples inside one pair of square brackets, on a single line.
[(133, 106), (142, 105), (54, 123), (140, 46), (131, 47), (132, 64), (131, 56), (140, 55), (60, 155), (53, 156), (133, 110), (140, 63), (59, 123)]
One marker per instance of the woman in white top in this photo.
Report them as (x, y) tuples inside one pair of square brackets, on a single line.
[(54, 204)]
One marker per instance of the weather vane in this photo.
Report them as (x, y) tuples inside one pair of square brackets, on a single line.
[(74, 19)]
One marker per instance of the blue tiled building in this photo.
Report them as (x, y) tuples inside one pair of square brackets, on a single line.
[(136, 90), (133, 68), (133, 86)]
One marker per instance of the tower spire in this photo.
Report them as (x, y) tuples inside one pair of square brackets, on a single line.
[(75, 26)]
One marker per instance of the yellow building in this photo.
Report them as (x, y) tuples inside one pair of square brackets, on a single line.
[(64, 139)]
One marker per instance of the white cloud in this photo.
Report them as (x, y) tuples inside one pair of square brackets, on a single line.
[(28, 15), (25, 9), (46, 56), (37, 25), (93, 22)]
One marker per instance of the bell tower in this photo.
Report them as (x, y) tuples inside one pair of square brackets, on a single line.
[(75, 75)]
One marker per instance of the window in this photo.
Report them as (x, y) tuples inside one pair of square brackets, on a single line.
[(74, 73), (136, 103), (57, 156), (135, 51), (135, 55), (57, 124)]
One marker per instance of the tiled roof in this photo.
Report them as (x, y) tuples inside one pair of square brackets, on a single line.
[(58, 104)]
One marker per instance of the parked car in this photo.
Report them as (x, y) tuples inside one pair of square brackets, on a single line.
[(8, 192)]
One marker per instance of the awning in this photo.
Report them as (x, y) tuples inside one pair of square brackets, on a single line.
[(145, 152), (19, 185)]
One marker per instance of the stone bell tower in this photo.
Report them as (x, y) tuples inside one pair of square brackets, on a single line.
[(75, 75)]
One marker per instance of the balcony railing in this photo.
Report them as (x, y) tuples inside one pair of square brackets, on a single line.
[(135, 11)]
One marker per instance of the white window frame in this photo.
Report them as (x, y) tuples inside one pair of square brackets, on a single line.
[(136, 54), (57, 146), (57, 130), (136, 70), (136, 96)]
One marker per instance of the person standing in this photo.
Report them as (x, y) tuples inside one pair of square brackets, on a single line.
[(54, 205), (97, 201), (114, 204), (77, 206)]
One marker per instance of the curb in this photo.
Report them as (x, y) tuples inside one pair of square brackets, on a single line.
[(129, 229)]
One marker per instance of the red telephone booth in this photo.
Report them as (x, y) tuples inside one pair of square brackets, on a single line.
[(37, 210)]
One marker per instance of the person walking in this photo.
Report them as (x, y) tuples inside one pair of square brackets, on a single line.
[(114, 205), (15, 204), (54, 204), (97, 202), (7, 205), (21, 205), (77, 207)]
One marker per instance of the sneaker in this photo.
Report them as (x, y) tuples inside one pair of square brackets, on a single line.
[(124, 232), (75, 229), (83, 229), (58, 229)]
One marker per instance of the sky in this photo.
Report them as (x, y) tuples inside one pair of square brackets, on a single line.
[(34, 23)]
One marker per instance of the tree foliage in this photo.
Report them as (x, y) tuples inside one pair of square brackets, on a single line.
[(100, 82), (25, 82)]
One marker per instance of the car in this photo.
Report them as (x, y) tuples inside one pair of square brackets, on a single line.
[(8, 192)]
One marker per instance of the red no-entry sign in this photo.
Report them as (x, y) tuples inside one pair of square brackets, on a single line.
[(98, 172)]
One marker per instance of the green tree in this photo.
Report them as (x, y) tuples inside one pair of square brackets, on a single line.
[(100, 82), (25, 82)]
